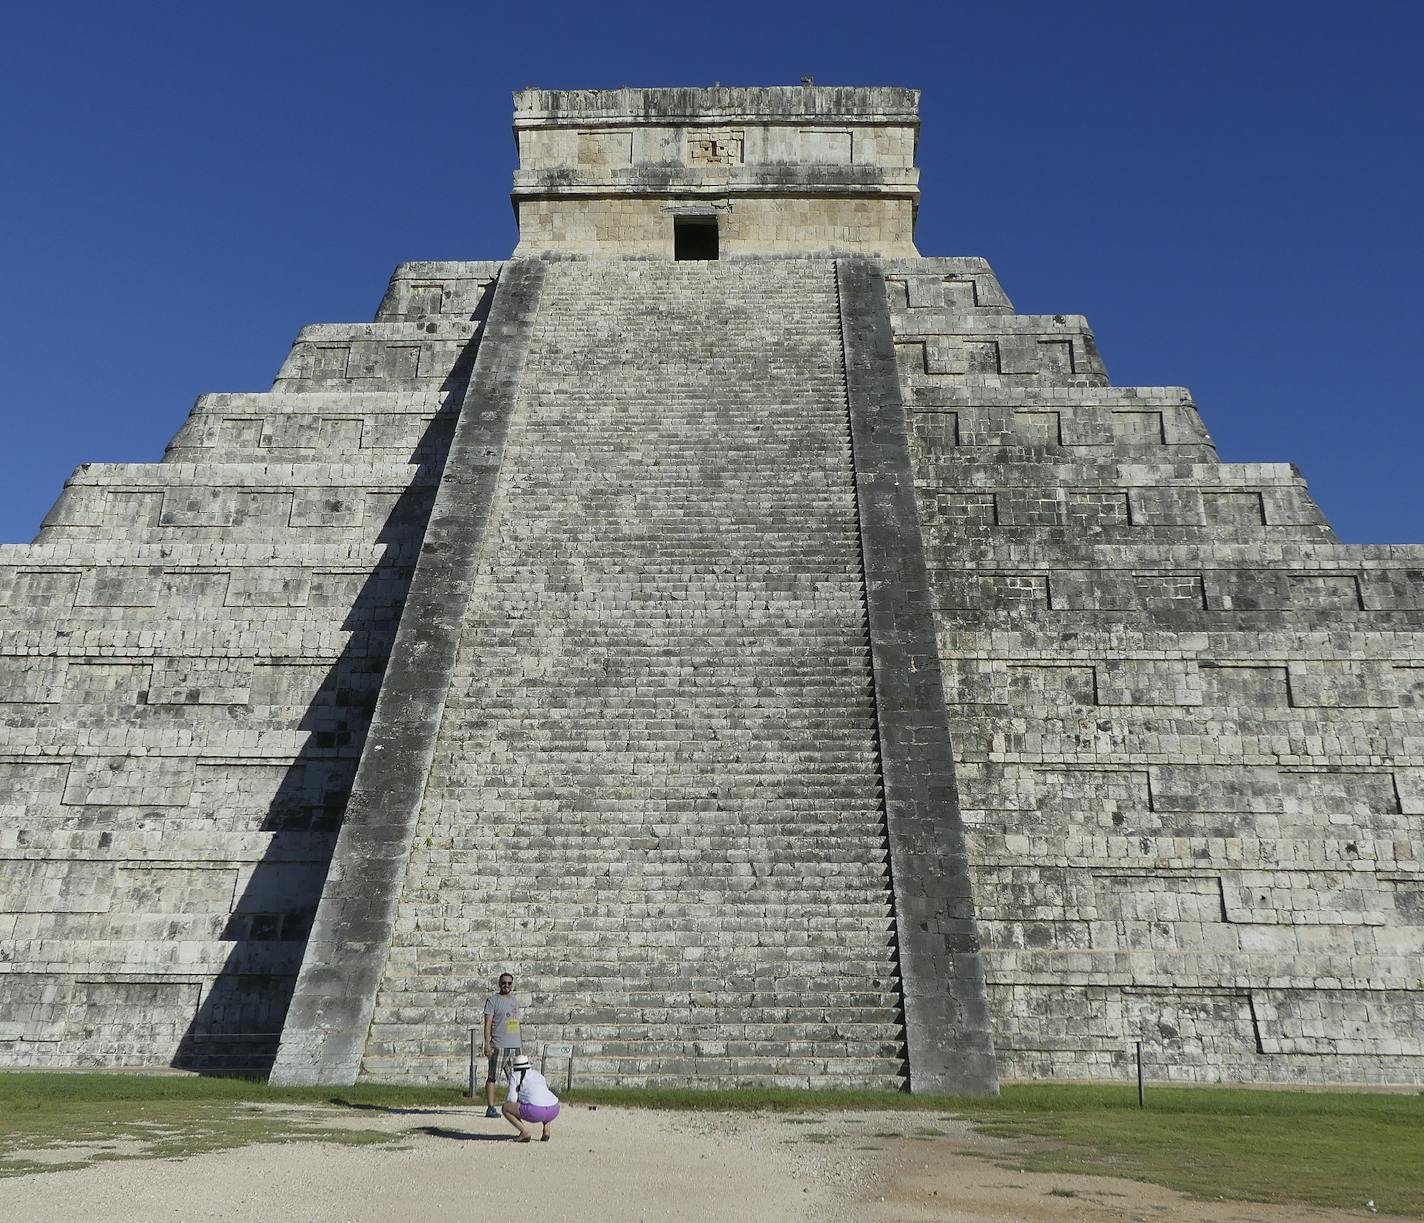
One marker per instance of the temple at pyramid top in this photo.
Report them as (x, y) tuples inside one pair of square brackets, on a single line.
[(718, 172)]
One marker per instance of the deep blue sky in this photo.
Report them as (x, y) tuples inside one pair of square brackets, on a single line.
[(1230, 192)]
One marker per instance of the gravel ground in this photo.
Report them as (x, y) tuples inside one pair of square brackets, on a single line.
[(614, 1164)]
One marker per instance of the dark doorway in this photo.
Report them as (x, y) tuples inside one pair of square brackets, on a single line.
[(694, 237)]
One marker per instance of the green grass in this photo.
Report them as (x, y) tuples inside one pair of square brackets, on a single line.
[(1326, 1148), (1329, 1149)]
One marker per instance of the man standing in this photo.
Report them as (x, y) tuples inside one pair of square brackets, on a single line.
[(501, 1037)]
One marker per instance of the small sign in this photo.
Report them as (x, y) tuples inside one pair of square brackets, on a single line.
[(558, 1050)]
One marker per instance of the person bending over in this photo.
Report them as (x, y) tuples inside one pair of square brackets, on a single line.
[(529, 1100)]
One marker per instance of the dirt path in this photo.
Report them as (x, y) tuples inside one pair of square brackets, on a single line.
[(613, 1164)]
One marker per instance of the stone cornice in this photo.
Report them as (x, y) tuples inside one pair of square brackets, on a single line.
[(717, 104)]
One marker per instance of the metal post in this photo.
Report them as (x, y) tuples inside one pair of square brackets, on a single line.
[(1141, 1089), (569, 1083), (470, 1095)]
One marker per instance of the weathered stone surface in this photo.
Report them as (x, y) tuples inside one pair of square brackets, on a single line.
[(325, 1031), (812, 169), (189, 654), (813, 671), (950, 1046), (1183, 718), (656, 796)]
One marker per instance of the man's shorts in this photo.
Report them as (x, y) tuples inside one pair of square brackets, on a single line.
[(501, 1065)]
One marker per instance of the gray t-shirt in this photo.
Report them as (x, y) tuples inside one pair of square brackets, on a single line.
[(504, 1026)]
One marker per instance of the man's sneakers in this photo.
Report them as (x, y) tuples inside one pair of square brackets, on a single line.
[(491, 1111)]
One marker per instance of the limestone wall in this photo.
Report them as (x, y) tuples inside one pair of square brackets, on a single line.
[(1187, 722), (189, 654), (602, 147), (809, 169), (638, 227)]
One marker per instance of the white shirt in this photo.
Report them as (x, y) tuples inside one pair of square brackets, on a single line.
[(533, 1090)]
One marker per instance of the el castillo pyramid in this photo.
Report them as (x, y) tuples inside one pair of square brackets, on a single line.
[(791, 663)]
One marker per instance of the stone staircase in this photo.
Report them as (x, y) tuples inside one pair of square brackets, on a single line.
[(656, 792)]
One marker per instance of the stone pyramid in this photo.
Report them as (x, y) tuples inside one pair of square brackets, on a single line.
[(791, 663)]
